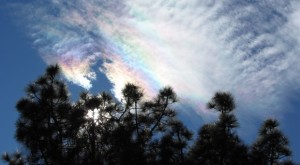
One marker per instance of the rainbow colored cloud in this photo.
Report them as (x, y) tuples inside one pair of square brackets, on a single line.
[(197, 47)]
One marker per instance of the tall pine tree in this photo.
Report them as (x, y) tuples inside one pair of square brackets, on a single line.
[(48, 124), (271, 147), (218, 143)]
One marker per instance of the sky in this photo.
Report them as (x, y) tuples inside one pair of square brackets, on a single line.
[(247, 47)]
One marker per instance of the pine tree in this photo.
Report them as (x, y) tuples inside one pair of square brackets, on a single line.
[(271, 147), (48, 124), (218, 143), (97, 129)]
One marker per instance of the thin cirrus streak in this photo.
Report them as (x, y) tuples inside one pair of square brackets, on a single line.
[(198, 47)]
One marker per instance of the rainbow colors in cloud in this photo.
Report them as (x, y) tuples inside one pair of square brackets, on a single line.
[(197, 47)]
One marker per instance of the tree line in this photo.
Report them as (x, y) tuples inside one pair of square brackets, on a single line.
[(98, 130)]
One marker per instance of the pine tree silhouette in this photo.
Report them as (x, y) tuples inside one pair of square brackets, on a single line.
[(271, 147), (100, 130)]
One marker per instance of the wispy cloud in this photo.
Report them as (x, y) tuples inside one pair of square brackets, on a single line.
[(249, 48)]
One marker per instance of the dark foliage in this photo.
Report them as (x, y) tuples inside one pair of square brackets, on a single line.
[(98, 130), (271, 147), (217, 143)]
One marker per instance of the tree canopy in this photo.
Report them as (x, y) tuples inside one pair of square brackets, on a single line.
[(100, 130)]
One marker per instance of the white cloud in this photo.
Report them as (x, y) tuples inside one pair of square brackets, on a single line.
[(197, 47)]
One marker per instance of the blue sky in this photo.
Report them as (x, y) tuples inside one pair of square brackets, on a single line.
[(249, 48), (20, 65)]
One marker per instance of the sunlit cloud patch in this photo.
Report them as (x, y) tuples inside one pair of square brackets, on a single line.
[(249, 48)]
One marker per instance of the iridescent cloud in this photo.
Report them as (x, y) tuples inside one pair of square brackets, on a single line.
[(197, 47)]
